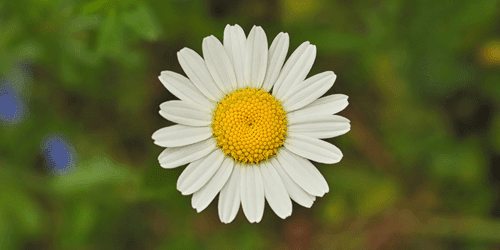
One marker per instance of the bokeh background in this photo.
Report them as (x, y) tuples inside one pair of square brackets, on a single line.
[(79, 100)]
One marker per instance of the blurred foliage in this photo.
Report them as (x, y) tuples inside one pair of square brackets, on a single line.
[(421, 163)]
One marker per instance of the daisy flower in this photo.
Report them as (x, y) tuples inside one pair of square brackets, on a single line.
[(248, 124)]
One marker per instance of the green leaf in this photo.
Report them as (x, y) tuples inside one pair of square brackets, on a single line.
[(79, 222), (90, 175), (110, 36), (21, 210), (80, 51), (464, 162), (438, 73), (69, 74), (96, 5), (84, 22), (142, 21)]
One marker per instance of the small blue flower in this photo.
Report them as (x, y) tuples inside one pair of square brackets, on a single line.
[(11, 106), (59, 155)]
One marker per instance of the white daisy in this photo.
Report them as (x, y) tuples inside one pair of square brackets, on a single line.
[(239, 138)]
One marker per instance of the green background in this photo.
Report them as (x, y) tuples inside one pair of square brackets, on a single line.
[(421, 162)]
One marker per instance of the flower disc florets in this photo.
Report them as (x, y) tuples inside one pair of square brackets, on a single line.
[(249, 125)]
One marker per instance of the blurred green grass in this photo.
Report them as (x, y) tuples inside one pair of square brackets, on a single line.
[(420, 167)]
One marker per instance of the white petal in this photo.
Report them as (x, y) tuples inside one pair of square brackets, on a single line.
[(293, 189), (327, 105), (186, 113), (180, 135), (229, 197), (309, 90), (296, 69), (299, 173), (275, 191), (234, 43), (313, 149), (255, 57), (321, 126), (178, 156), (196, 69), (299, 51), (299, 87), (202, 198), (183, 88), (277, 55), (252, 193), (219, 65), (197, 174), (320, 179)]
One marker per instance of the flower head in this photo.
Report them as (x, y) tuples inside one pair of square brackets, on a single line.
[(248, 125)]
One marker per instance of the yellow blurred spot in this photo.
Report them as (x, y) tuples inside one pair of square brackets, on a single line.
[(249, 124), (489, 54), (336, 209), (300, 9), (492, 53), (378, 198)]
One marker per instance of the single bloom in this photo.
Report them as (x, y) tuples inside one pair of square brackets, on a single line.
[(248, 124)]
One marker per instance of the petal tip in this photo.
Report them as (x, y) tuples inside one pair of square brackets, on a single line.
[(165, 166), (308, 205), (330, 73)]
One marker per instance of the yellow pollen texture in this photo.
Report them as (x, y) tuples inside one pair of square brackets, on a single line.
[(249, 125)]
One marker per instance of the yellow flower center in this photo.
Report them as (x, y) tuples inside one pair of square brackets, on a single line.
[(249, 125)]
